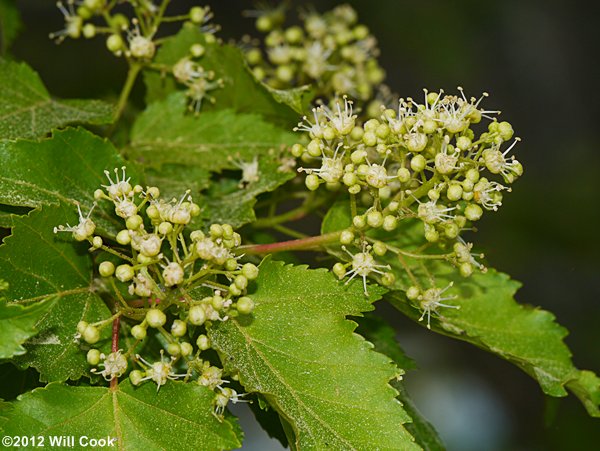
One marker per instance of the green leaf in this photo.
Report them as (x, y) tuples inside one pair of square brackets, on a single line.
[(488, 317), (41, 265), (236, 206), (240, 92), (65, 168), (383, 337), (28, 111), (299, 351), (178, 416), (17, 324), (10, 23), (187, 148), (299, 99)]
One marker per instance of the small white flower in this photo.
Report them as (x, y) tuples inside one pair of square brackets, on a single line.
[(173, 274), (159, 372), (498, 163), (250, 171), (120, 187), (73, 23), (84, 229), (363, 264), (115, 365), (342, 120), (431, 213), (431, 299)]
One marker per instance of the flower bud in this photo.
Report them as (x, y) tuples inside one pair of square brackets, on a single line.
[(197, 315), (245, 305), (156, 318)]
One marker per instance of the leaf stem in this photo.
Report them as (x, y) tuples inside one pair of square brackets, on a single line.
[(309, 243)]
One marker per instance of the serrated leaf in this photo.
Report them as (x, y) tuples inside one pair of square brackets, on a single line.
[(240, 92), (488, 317), (236, 206), (383, 337), (17, 324), (187, 148), (41, 265), (299, 351), (28, 111), (10, 23), (178, 416), (65, 168)]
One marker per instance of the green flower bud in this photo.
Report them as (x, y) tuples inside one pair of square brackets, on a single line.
[(413, 293), (346, 237), (369, 138), (115, 43), (197, 50), (506, 131), (357, 133), (138, 332), (403, 175), (196, 315), (186, 348), (174, 349), (314, 148), (358, 156), (312, 182), (134, 222), (418, 163), (339, 270), (106, 269), (156, 318), (135, 377), (82, 326), (250, 271), (297, 150), (390, 223), (245, 305), (124, 273), (89, 30), (359, 221), (123, 237), (203, 342), (463, 142), (374, 219), (93, 357), (388, 279), (178, 328), (473, 212), (465, 269), (454, 192), (91, 334), (379, 248), (197, 14)]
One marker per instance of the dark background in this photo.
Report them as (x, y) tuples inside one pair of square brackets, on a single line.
[(537, 59)]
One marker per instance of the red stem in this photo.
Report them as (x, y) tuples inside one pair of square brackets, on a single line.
[(115, 346), (292, 245)]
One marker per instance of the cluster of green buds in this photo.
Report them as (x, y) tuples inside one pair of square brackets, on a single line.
[(134, 38), (332, 51), (169, 284), (418, 162)]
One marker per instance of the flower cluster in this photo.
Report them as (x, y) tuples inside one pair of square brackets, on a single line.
[(169, 284), (332, 51), (417, 162), (198, 81), (134, 37)]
